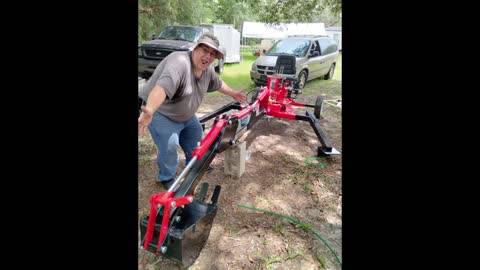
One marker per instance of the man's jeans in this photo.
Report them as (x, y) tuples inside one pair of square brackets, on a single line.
[(167, 135)]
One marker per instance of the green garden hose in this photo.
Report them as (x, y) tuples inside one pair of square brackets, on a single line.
[(294, 221)]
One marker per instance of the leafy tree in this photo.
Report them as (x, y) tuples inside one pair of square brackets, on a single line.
[(276, 11), (232, 12), (329, 18), (334, 5), (153, 15)]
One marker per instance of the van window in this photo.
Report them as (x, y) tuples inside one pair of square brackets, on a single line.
[(332, 47), (180, 33), (315, 47), (298, 47), (327, 46)]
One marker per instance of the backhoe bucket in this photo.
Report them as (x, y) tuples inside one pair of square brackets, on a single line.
[(188, 232)]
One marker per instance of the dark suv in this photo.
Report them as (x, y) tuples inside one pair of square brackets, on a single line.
[(316, 57), (171, 39)]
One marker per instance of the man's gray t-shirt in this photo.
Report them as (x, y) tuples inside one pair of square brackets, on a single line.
[(184, 91)]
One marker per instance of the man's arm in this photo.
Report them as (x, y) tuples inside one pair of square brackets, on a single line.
[(154, 101), (237, 95)]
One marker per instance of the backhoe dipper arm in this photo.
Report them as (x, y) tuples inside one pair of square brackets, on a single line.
[(223, 134)]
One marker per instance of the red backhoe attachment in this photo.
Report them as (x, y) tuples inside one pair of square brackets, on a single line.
[(178, 225)]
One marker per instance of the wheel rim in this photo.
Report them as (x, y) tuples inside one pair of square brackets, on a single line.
[(301, 81)]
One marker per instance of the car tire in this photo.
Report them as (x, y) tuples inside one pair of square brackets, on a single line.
[(329, 75), (318, 107), (302, 79), (219, 67)]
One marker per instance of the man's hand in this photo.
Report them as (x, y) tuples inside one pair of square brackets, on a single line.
[(239, 96), (144, 120), (154, 101)]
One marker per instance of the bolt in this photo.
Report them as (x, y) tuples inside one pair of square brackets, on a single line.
[(163, 249), (173, 204)]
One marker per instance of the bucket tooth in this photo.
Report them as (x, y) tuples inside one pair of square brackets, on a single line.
[(203, 192), (216, 194)]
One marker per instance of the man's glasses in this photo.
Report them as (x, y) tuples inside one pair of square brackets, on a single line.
[(209, 50)]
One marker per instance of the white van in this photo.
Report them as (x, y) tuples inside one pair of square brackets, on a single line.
[(316, 57)]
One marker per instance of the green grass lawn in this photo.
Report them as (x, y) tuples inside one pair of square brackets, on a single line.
[(237, 76)]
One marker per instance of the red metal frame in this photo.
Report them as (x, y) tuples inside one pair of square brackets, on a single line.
[(280, 104), (208, 140), (167, 201)]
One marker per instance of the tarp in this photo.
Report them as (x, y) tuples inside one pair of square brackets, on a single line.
[(281, 30)]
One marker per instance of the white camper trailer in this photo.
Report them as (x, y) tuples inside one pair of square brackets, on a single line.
[(229, 38), (335, 32)]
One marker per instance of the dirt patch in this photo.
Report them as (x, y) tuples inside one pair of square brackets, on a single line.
[(277, 178)]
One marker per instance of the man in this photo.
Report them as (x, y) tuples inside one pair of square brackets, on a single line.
[(173, 95)]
